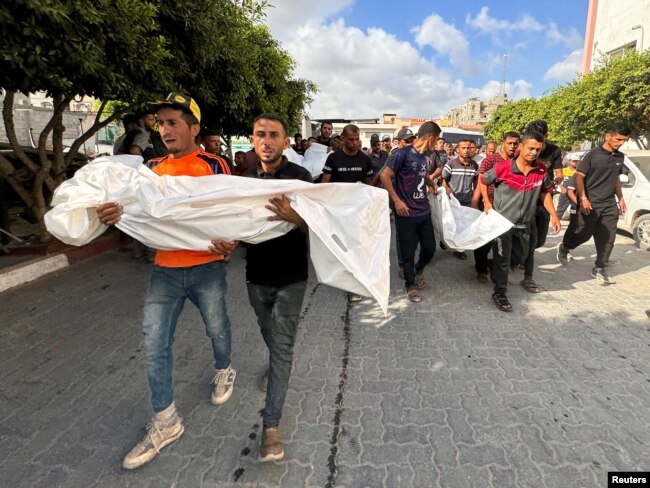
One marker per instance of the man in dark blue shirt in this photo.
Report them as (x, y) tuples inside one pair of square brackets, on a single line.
[(411, 168)]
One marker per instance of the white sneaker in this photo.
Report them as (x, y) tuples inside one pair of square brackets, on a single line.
[(224, 382), (160, 433), (601, 275)]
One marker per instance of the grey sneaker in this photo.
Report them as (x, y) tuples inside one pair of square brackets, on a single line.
[(271, 447), (224, 382), (601, 275), (264, 382), (562, 254), (159, 434)]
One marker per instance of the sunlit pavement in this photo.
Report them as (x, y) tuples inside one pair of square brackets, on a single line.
[(450, 392)]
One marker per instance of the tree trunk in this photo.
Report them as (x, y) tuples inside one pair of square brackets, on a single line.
[(47, 171)]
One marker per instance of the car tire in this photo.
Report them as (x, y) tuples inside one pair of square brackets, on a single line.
[(641, 232)]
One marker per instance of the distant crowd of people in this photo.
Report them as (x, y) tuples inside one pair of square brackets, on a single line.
[(516, 177)]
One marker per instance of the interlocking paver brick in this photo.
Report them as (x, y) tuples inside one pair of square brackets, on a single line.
[(450, 392)]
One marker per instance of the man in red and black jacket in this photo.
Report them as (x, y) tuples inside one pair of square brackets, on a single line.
[(518, 185)]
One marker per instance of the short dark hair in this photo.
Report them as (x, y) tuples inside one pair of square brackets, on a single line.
[(491, 142), (270, 116), (464, 140), (619, 128), (429, 128), (210, 132), (129, 119), (149, 110), (328, 123), (538, 125), (350, 128), (442, 139), (472, 141), (297, 134), (528, 135), (239, 152), (509, 134)]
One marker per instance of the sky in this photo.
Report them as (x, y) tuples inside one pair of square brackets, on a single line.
[(422, 58)]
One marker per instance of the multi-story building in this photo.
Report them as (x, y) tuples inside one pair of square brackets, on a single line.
[(475, 111), (613, 27)]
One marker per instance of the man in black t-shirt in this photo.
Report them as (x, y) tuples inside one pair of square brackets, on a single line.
[(348, 164), (598, 187), (276, 277), (551, 156)]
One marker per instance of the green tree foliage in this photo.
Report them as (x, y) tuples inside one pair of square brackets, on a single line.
[(129, 52), (616, 91)]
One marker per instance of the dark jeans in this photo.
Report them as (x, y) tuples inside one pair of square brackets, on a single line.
[(562, 204), (278, 312), (542, 219), (514, 247), (398, 249), (205, 286), (600, 224), (481, 258), (411, 232)]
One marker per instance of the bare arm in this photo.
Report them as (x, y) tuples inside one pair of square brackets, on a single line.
[(325, 178), (585, 205), (400, 207), (547, 200), (619, 194)]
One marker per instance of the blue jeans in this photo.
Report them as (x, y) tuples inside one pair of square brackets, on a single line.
[(278, 312), (205, 286)]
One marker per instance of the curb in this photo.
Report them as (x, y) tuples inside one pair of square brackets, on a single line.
[(33, 269), (30, 270)]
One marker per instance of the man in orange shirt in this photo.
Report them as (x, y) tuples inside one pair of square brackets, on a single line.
[(178, 275)]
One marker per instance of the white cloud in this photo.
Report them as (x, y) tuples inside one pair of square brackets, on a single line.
[(567, 69), (284, 17), (568, 37), (367, 73), (492, 25), (445, 39)]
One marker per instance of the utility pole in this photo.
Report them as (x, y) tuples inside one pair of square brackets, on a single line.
[(505, 72)]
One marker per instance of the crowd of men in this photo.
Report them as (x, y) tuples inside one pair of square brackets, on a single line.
[(516, 178)]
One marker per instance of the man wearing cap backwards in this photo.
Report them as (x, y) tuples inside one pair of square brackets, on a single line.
[(276, 277), (176, 276), (411, 168)]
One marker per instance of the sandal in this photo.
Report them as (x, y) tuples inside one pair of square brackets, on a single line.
[(530, 286), (413, 295), (502, 302), (420, 281), (460, 255), (401, 273)]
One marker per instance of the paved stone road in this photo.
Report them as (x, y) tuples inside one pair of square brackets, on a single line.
[(450, 392)]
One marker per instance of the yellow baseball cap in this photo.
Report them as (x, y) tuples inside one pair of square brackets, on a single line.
[(184, 102)]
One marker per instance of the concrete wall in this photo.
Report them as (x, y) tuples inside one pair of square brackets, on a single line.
[(36, 118), (613, 26)]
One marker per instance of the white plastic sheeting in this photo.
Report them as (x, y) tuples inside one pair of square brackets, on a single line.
[(349, 225), (465, 228), (313, 160)]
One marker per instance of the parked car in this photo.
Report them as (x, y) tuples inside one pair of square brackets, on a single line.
[(636, 191)]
